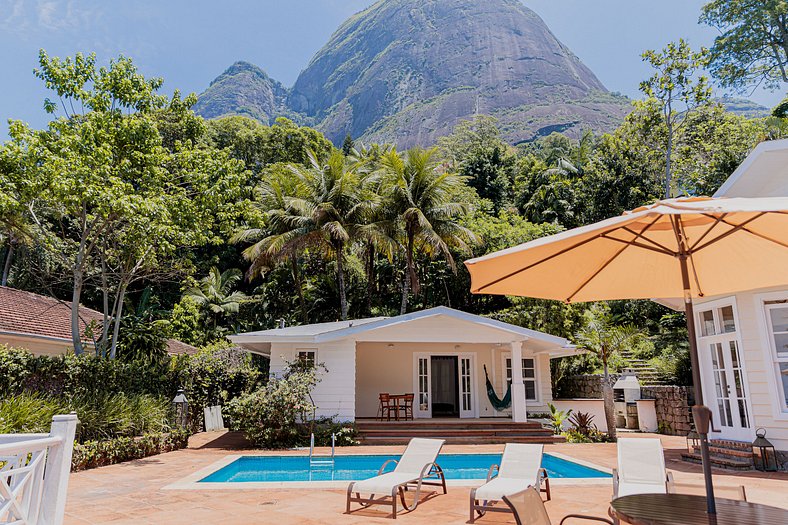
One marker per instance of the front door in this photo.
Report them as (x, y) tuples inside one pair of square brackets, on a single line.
[(444, 386), (724, 384)]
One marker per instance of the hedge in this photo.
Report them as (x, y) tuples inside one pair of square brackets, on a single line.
[(92, 454)]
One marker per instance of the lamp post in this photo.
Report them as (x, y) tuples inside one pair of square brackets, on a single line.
[(764, 452), (181, 407)]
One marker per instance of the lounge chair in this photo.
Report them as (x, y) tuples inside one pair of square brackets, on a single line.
[(528, 509), (641, 468), (416, 467), (521, 467), (737, 492)]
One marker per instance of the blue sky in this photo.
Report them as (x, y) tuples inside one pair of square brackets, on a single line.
[(191, 42)]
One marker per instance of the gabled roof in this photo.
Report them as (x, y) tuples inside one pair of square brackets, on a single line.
[(764, 173), (366, 329), (31, 314)]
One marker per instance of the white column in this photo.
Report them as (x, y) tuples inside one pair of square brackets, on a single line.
[(519, 412)]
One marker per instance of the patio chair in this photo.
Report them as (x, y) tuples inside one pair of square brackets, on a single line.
[(407, 406), (737, 492), (528, 509), (385, 406), (416, 468), (521, 467), (641, 468)]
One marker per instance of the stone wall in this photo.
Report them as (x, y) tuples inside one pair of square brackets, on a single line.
[(673, 414), (672, 402)]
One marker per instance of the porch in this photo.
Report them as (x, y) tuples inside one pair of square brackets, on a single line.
[(455, 431)]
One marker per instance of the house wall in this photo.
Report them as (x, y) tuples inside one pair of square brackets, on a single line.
[(334, 395), (761, 380), (381, 368), (35, 345)]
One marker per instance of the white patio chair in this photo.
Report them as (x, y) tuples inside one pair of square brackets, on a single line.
[(528, 509), (641, 468), (416, 468), (521, 467)]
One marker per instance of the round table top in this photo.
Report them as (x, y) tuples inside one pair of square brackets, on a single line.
[(683, 509)]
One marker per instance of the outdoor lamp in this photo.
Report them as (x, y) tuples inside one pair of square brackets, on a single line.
[(181, 406), (764, 452), (693, 442)]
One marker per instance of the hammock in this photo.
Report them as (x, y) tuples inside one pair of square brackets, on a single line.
[(498, 404)]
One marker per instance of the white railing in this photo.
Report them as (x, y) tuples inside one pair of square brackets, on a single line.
[(34, 471)]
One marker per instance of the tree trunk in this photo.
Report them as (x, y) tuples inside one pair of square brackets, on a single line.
[(610, 408), (341, 281), (118, 317), (105, 325), (410, 275), (405, 287), (76, 295), (370, 268), (300, 287), (668, 155), (9, 256)]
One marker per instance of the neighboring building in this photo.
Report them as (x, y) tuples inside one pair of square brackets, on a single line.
[(438, 354), (743, 338), (42, 324)]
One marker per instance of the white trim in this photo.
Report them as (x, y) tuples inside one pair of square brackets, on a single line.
[(764, 147), (474, 380), (736, 432), (768, 352), (536, 379)]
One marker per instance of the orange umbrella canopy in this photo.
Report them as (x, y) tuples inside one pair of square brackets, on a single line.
[(728, 245)]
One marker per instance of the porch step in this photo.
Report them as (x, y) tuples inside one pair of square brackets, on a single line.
[(719, 461), (453, 440), (454, 431), (726, 454)]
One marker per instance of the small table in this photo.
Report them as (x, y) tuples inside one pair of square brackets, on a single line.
[(683, 509), (396, 398)]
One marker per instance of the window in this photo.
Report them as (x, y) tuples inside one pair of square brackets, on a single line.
[(777, 317), (529, 376), (307, 358)]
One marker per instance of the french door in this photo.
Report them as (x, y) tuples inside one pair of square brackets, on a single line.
[(724, 384), (423, 386)]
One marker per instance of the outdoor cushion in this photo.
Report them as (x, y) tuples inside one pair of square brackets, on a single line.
[(384, 483), (497, 488)]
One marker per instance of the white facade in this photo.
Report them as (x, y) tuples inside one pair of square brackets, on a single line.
[(434, 353), (743, 338)]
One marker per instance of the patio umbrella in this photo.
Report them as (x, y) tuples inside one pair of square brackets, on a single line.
[(672, 249)]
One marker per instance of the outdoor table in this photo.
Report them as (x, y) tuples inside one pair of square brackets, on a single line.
[(396, 399), (683, 509)]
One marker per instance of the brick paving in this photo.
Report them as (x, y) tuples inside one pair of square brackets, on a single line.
[(133, 492)]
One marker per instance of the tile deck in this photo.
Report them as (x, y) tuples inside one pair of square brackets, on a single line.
[(134, 492)]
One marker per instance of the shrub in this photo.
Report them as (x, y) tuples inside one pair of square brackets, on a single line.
[(593, 436), (557, 417), (93, 454), (30, 413), (270, 416), (582, 422), (345, 432)]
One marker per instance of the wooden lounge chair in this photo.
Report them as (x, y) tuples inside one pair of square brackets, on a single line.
[(528, 509), (416, 468), (641, 468), (521, 467)]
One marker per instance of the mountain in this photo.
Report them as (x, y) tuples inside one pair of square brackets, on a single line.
[(406, 71), (243, 89), (744, 107)]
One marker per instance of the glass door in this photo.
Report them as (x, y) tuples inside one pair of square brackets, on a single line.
[(726, 393), (466, 387), (423, 405)]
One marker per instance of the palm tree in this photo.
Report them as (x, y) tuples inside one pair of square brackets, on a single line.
[(214, 293), (420, 201), (323, 210), (600, 336)]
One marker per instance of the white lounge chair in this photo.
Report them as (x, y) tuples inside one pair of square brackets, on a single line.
[(521, 467), (641, 468), (416, 468), (528, 509)]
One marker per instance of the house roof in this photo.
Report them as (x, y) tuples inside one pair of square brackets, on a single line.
[(764, 173), (462, 326), (175, 347), (31, 314)]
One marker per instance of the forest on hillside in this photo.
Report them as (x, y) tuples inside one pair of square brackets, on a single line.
[(176, 226)]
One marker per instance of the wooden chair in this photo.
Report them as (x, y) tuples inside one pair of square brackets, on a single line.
[(386, 406), (406, 407), (528, 509)]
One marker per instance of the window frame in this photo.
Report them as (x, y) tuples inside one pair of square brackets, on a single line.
[(507, 374), (306, 359), (773, 356)]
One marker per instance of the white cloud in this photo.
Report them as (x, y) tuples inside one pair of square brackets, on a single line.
[(29, 16)]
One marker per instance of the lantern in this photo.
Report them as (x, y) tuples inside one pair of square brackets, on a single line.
[(181, 407), (693, 442), (763, 450)]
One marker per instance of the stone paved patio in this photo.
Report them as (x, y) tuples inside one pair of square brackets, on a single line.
[(133, 492)]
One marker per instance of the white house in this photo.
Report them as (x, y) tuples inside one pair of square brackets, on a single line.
[(438, 354), (743, 338)]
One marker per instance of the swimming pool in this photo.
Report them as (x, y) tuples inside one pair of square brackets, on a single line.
[(352, 468)]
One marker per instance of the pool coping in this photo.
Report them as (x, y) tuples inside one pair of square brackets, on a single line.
[(192, 481)]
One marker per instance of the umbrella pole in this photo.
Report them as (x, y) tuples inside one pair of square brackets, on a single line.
[(700, 413)]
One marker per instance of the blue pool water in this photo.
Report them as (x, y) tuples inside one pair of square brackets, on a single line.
[(350, 468)]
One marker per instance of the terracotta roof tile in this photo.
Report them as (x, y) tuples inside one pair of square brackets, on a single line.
[(175, 347), (30, 313)]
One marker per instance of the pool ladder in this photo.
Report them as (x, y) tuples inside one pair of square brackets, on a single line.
[(321, 461)]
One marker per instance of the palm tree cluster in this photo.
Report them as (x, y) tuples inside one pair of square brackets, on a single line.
[(374, 201)]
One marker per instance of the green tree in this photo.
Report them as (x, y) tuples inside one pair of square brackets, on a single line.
[(347, 145), (216, 296), (420, 197), (678, 89), (752, 48), (604, 339)]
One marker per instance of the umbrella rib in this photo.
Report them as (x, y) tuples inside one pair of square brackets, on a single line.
[(689, 256), (762, 236), (611, 259), (717, 220), (667, 250), (734, 229), (639, 245)]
